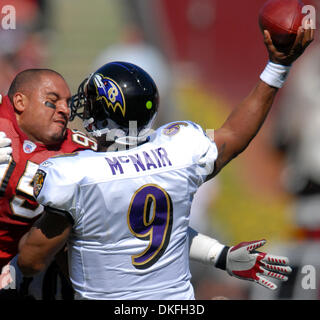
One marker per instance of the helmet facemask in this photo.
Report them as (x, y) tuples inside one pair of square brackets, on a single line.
[(78, 102)]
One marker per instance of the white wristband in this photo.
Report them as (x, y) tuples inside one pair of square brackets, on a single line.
[(205, 249), (275, 74)]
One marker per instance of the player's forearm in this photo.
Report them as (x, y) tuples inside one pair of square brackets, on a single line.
[(31, 260), (243, 123), (44, 240), (246, 119), (29, 268)]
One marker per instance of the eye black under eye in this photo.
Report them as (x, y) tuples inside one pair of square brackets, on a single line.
[(50, 104)]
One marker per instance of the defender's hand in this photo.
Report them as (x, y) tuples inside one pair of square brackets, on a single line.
[(5, 149), (303, 40), (6, 277), (244, 262), (13, 286)]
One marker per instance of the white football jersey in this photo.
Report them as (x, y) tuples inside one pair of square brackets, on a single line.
[(131, 213)]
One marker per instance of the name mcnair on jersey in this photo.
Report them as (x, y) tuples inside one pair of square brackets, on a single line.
[(141, 161)]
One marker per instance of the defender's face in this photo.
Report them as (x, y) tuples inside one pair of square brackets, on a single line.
[(46, 112)]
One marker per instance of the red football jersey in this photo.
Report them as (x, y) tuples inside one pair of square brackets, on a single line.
[(18, 208)]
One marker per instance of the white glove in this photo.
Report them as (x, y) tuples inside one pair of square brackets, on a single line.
[(5, 149), (244, 262)]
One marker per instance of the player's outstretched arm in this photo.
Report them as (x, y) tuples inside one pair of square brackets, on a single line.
[(245, 120), (242, 261)]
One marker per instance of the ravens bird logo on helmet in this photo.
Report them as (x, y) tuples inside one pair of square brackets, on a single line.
[(110, 91)]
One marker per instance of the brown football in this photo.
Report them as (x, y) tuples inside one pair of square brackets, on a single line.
[(282, 18)]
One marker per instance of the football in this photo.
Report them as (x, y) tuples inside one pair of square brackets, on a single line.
[(282, 18)]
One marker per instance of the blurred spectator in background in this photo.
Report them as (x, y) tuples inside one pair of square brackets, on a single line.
[(23, 47), (297, 135), (133, 48)]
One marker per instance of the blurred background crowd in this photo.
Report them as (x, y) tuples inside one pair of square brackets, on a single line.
[(205, 56)]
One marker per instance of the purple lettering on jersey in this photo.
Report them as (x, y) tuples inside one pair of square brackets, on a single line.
[(137, 162), (149, 161), (157, 158), (124, 159), (114, 165), (163, 155)]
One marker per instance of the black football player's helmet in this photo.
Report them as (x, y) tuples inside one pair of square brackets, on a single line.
[(116, 96)]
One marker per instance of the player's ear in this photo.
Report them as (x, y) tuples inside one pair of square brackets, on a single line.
[(19, 101)]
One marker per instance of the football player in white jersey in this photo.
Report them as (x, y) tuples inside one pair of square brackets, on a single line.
[(125, 214)]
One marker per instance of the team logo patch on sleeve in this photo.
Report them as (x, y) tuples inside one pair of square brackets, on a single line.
[(38, 182), (173, 128)]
